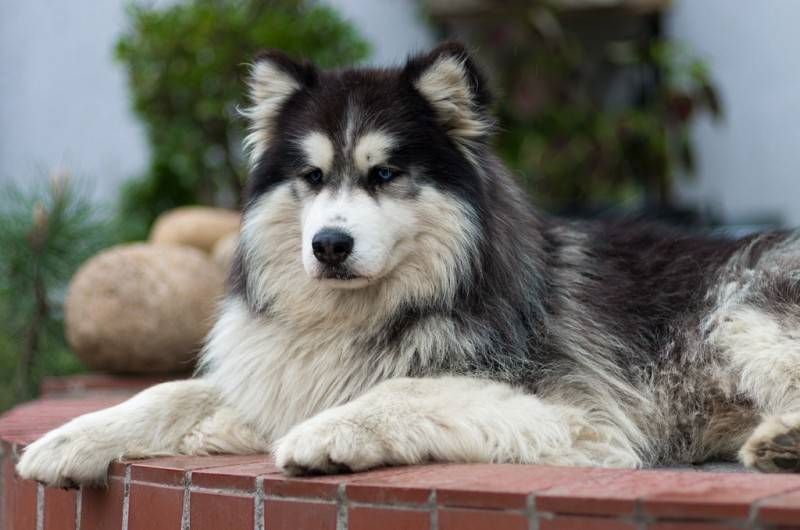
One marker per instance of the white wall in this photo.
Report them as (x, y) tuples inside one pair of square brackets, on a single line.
[(392, 27), (64, 101), (749, 165)]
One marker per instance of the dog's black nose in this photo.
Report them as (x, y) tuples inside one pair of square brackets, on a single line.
[(332, 246)]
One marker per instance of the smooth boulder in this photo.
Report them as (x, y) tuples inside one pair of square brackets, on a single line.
[(197, 226), (225, 250), (142, 308)]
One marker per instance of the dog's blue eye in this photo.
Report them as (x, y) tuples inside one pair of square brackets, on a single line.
[(314, 177), (383, 174)]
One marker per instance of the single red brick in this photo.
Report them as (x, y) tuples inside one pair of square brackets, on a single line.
[(390, 495), (239, 477), (214, 511), (281, 514), (25, 494), (711, 495), (170, 470), (576, 522), (688, 525), (117, 469), (368, 518), (473, 485), (781, 509), (325, 487), (499, 486), (599, 492), (408, 485), (101, 508), (380, 487), (59, 509), (155, 507), (469, 519), (8, 488)]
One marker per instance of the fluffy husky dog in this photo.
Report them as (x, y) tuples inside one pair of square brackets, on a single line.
[(396, 300)]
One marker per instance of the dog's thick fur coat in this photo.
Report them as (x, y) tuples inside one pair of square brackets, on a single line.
[(396, 300)]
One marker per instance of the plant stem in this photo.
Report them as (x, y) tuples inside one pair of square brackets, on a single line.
[(30, 345)]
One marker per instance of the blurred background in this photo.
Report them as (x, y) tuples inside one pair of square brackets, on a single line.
[(114, 113)]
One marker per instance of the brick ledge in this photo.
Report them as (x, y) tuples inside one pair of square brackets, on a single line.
[(248, 493)]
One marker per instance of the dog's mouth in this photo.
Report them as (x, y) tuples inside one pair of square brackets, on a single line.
[(338, 273), (342, 278)]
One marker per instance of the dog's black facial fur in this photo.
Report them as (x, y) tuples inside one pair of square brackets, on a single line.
[(376, 99)]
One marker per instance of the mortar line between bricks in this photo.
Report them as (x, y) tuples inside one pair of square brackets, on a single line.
[(39, 506), (222, 491), (78, 507), (645, 520), (639, 518), (126, 491), (434, 520), (187, 500), (403, 505), (530, 507), (341, 508), (755, 506), (158, 484), (258, 510), (3, 456), (315, 500), (417, 507), (630, 519)]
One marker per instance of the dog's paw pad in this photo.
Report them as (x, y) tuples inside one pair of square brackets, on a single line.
[(787, 464), (790, 439), (773, 448)]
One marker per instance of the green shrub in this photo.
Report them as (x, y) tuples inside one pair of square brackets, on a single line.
[(46, 232), (186, 68)]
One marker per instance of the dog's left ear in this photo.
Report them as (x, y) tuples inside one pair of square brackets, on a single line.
[(449, 80)]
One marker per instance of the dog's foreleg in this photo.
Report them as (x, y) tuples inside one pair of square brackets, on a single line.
[(449, 419), (182, 417)]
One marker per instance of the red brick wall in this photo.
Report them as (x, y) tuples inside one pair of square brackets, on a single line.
[(248, 493)]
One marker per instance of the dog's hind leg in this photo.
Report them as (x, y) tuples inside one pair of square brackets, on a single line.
[(448, 419), (761, 356), (182, 417)]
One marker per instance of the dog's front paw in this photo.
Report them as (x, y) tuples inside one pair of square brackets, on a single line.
[(330, 443), (64, 458), (775, 445)]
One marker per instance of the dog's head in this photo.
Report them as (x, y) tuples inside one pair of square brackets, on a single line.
[(363, 175)]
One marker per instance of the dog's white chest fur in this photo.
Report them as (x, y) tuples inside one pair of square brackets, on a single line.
[(276, 376)]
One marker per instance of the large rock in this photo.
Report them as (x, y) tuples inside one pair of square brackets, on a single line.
[(142, 308), (197, 226), (225, 250)]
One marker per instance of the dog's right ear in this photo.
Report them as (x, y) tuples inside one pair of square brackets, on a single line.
[(274, 78)]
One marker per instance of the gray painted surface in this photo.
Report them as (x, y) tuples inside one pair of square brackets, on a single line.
[(749, 166), (63, 100)]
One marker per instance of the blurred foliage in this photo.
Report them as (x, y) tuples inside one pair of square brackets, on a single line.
[(187, 67), (590, 118), (46, 232)]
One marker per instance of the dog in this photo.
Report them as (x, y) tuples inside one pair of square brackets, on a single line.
[(395, 300)]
